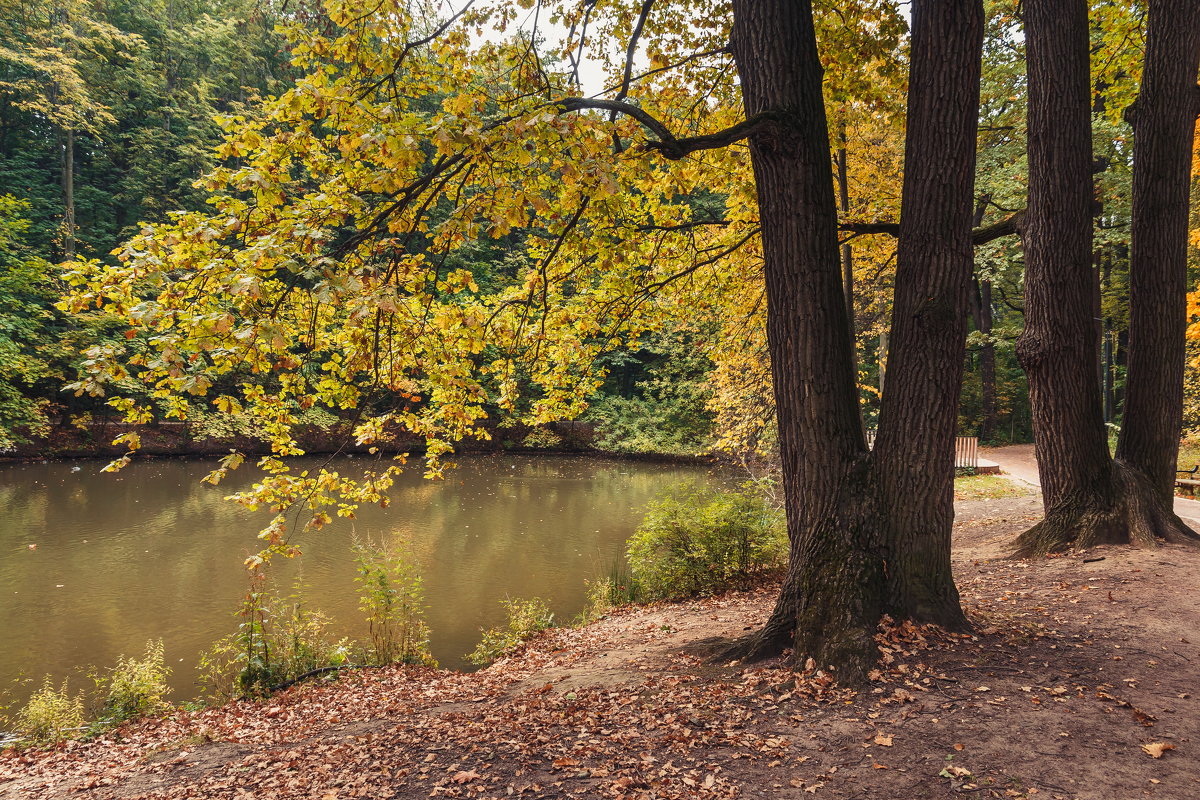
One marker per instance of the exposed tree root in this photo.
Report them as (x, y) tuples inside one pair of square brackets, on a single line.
[(834, 593), (1129, 512)]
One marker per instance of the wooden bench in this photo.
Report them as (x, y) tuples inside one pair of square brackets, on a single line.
[(1189, 484)]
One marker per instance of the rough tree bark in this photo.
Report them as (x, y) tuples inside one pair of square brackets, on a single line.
[(832, 597), (914, 450), (866, 538), (1089, 499), (1164, 128)]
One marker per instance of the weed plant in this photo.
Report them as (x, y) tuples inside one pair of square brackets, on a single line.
[(390, 593), (52, 714), (524, 618), (135, 687)]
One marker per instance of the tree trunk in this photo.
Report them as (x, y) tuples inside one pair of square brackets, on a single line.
[(868, 534), (1164, 120), (914, 451), (981, 311), (1088, 498), (843, 179), (833, 593), (68, 188)]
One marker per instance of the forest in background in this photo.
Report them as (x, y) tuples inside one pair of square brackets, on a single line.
[(111, 113)]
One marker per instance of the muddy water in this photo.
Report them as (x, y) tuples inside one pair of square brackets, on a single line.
[(93, 565)]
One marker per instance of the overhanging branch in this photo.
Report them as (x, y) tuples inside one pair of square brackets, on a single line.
[(667, 143)]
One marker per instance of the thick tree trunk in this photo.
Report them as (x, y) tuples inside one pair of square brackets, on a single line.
[(1088, 498), (1163, 126), (1058, 346), (914, 451), (833, 594), (869, 534)]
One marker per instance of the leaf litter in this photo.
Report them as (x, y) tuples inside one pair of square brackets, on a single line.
[(1050, 696)]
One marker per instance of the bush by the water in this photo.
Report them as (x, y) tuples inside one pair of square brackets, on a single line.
[(136, 687), (51, 715), (391, 594), (696, 541), (280, 639), (524, 619)]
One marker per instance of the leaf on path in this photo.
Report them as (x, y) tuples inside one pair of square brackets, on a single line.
[(885, 741), (1156, 749)]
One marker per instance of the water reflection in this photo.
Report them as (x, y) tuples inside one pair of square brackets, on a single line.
[(93, 565)]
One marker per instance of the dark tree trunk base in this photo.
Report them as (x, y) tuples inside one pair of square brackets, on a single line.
[(1133, 514), (833, 595), (831, 615)]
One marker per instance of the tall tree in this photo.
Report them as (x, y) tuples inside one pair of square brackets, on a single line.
[(1164, 125), (833, 594), (1089, 498), (870, 531), (327, 265), (935, 261)]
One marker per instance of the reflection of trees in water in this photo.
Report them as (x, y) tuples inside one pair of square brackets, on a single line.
[(163, 552)]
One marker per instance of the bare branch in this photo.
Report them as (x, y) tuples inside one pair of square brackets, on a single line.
[(631, 49), (1009, 226)]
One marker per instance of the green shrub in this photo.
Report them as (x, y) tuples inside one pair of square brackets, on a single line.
[(390, 593), (695, 541), (542, 439), (524, 619), (50, 715), (618, 588), (137, 687), (277, 641)]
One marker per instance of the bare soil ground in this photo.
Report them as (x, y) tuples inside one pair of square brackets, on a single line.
[(1079, 682)]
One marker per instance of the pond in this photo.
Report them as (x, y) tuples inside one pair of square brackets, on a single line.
[(92, 566)]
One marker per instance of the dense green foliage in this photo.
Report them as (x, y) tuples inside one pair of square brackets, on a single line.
[(138, 83), (695, 541), (107, 118), (120, 102), (28, 326), (656, 400), (523, 619)]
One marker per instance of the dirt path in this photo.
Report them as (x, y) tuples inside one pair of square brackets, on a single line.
[(1080, 670), (1019, 462)]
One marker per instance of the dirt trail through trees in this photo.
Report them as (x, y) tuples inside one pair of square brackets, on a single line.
[(1078, 682), (1018, 461)]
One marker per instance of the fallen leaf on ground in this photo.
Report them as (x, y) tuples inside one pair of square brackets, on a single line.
[(880, 739), (1156, 749)]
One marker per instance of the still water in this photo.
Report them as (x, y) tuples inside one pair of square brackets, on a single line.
[(94, 565)]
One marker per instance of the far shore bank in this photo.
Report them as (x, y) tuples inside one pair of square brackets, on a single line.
[(178, 440)]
